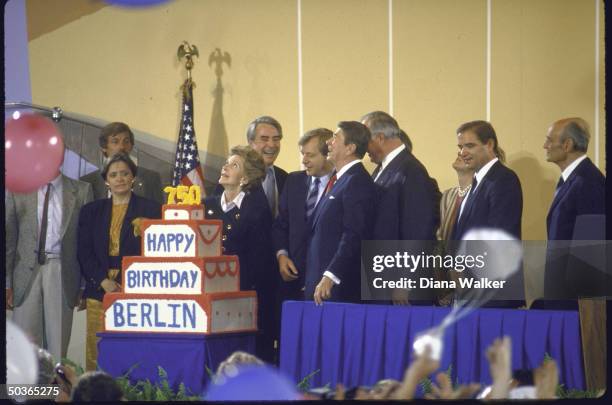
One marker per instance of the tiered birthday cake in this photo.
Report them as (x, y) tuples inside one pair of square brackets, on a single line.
[(182, 283)]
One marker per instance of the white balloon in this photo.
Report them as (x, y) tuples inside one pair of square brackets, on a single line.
[(503, 254), (431, 338), (21, 360)]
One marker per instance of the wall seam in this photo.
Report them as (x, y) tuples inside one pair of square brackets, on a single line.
[(390, 24), (488, 68), (300, 83)]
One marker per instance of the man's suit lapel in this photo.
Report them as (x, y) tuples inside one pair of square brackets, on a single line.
[(561, 192), (469, 204), (567, 184), (391, 168), (99, 186), (31, 205), (336, 187), (68, 202), (302, 194)]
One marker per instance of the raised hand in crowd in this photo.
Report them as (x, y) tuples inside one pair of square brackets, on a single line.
[(444, 389), (499, 355), (66, 378), (340, 392), (422, 366), (384, 389), (546, 379)]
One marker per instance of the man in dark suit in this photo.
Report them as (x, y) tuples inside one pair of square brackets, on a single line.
[(264, 134), (302, 192), (495, 199), (581, 188), (409, 209), (409, 206), (343, 219), (118, 137), (580, 191)]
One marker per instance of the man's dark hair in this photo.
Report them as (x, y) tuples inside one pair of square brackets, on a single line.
[(96, 386), (322, 135), (112, 129), (120, 157), (357, 134), (264, 119), (484, 131)]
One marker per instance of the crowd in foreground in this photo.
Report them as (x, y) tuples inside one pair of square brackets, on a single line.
[(243, 376)]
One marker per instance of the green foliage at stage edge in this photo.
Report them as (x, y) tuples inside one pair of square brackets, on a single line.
[(144, 390)]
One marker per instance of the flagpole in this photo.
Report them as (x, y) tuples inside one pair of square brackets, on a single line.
[(187, 52), (187, 167)]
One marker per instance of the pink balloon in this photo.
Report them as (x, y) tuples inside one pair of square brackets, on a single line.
[(33, 152)]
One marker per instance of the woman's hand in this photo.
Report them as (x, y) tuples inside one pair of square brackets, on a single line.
[(109, 285), (137, 226)]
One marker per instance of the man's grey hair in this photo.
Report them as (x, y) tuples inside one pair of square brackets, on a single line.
[(264, 119), (577, 130), (383, 123)]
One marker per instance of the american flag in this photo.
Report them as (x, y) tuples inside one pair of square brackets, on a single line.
[(187, 168)]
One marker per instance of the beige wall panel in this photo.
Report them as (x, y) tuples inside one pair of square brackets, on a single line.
[(121, 64), (543, 55), (439, 74), (345, 61)]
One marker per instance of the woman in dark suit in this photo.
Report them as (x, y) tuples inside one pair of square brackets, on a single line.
[(108, 230), (247, 222)]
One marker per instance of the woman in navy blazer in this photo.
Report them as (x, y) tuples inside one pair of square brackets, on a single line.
[(247, 224), (108, 230)]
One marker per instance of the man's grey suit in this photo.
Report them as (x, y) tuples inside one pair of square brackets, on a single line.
[(147, 184), (23, 270)]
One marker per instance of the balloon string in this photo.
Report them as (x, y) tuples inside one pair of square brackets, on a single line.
[(474, 297)]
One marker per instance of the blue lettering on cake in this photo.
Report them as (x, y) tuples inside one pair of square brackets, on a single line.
[(163, 279), (194, 277), (146, 314), (145, 278), (189, 239), (158, 323), (161, 242), (132, 279), (131, 313), (175, 278), (189, 313), (118, 319), (169, 242), (174, 308)]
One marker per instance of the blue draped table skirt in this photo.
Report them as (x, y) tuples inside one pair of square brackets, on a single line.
[(185, 358), (358, 344)]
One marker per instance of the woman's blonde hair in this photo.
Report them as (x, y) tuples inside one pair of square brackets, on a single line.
[(254, 166)]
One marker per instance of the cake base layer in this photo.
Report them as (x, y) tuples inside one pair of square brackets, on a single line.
[(199, 314)]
